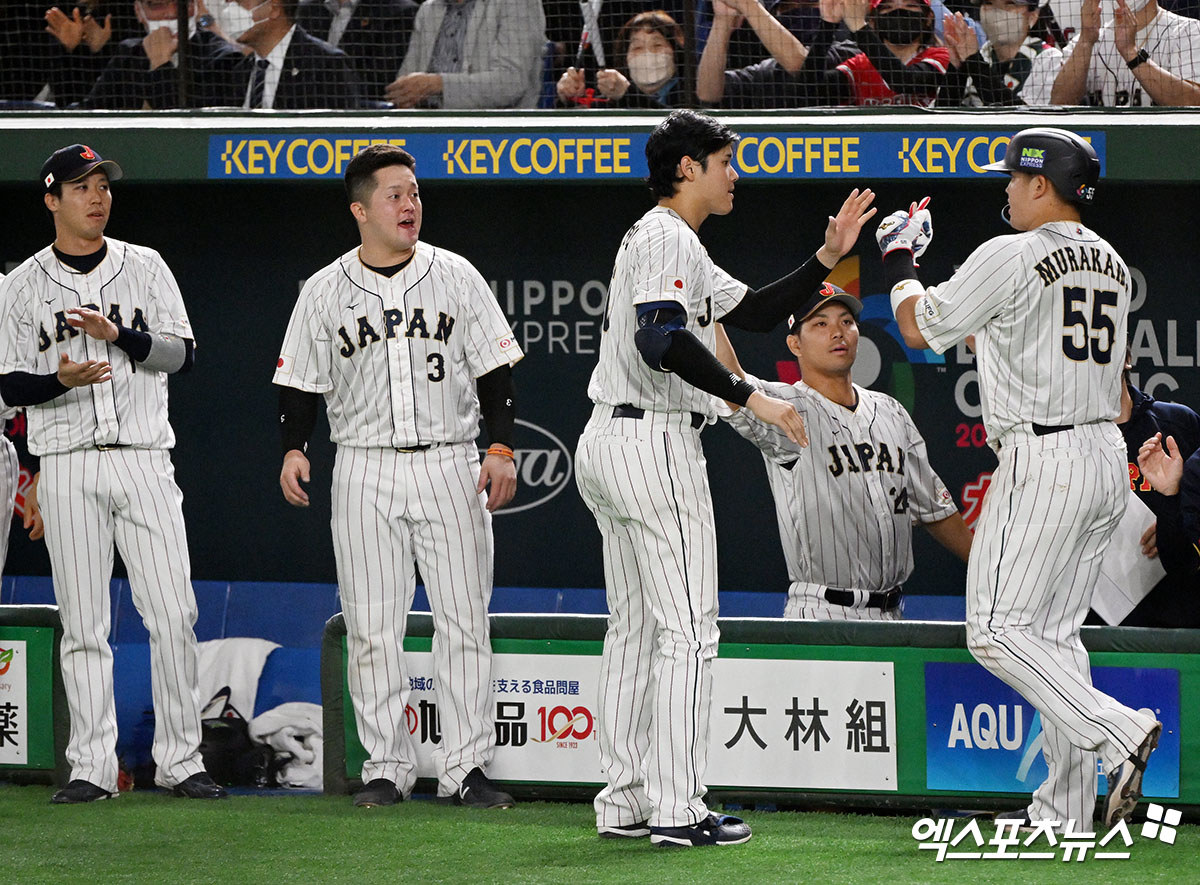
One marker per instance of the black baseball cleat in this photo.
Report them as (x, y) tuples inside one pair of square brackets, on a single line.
[(715, 830), (479, 792), (379, 791), (77, 792), (1021, 816), (1125, 781), (626, 831), (199, 786)]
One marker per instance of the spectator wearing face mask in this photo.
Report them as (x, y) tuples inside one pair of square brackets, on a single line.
[(651, 44), (1014, 66), (1145, 55), (143, 73), (892, 59)]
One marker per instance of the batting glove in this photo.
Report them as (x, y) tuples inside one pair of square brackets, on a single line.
[(911, 230)]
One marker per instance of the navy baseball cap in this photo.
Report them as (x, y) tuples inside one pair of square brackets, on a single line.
[(827, 293), (73, 163)]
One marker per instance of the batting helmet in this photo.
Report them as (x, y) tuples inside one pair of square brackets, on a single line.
[(1063, 157)]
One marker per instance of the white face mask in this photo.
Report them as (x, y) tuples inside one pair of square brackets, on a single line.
[(651, 68), (237, 19), (1136, 6), (1002, 26)]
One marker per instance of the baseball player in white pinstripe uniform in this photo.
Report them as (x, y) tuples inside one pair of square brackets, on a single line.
[(10, 471), (641, 471), (1048, 308), (409, 346), (91, 328), (846, 503)]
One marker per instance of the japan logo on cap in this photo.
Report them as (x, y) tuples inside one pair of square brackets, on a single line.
[(49, 179), (87, 153)]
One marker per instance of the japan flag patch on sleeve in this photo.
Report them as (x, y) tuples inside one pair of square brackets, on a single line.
[(507, 343), (283, 366)]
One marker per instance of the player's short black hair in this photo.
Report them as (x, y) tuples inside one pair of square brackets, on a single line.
[(682, 134), (360, 171)]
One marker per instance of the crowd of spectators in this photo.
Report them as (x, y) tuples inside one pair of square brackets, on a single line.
[(469, 54)]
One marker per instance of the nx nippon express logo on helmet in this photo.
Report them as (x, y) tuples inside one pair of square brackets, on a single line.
[(544, 467), (1033, 157)]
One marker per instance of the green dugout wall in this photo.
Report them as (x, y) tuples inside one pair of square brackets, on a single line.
[(954, 736), (245, 207)]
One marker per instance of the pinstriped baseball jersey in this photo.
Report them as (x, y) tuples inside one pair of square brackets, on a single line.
[(846, 503), (133, 287), (1052, 304), (660, 259), (423, 336)]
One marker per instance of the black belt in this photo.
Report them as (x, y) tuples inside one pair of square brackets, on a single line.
[(408, 450), (1047, 429), (628, 411), (883, 599)]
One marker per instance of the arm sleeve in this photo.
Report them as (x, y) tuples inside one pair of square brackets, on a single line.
[(688, 358), (159, 353), (761, 310), (28, 389), (498, 404), (297, 417)]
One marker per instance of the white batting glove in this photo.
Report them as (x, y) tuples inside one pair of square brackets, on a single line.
[(911, 230)]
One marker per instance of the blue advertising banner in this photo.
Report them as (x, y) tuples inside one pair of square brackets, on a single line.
[(982, 735), (614, 155)]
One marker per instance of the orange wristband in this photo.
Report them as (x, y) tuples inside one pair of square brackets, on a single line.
[(500, 449)]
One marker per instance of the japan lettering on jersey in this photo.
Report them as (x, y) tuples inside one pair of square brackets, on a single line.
[(1049, 310), (871, 89), (397, 357), (660, 259), (133, 287), (845, 502)]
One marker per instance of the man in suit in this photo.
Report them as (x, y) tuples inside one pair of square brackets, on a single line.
[(374, 33), (473, 54), (289, 68), (143, 72)]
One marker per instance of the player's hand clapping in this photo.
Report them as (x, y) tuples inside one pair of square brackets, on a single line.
[(782, 414), (74, 374), (842, 231), (93, 323), (295, 471)]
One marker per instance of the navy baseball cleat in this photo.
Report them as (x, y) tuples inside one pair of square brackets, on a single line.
[(77, 792), (715, 830), (1125, 781), (199, 786), (625, 831)]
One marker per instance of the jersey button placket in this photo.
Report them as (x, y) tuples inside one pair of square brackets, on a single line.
[(103, 395), (404, 380)]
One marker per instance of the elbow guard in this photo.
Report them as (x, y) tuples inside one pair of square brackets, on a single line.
[(653, 337), (652, 343)]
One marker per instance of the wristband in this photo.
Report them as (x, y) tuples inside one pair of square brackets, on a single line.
[(904, 290), (502, 450), (1142, 56)]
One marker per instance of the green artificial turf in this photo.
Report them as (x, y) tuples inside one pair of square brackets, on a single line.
[(152, 837)]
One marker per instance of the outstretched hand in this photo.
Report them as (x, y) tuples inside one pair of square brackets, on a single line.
[(842, 231), (1161, 464)]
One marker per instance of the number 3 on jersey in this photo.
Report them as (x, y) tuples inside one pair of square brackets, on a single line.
[(1084, 338)]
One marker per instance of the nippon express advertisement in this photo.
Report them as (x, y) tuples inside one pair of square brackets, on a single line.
[(615, 155), (982, 736)]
